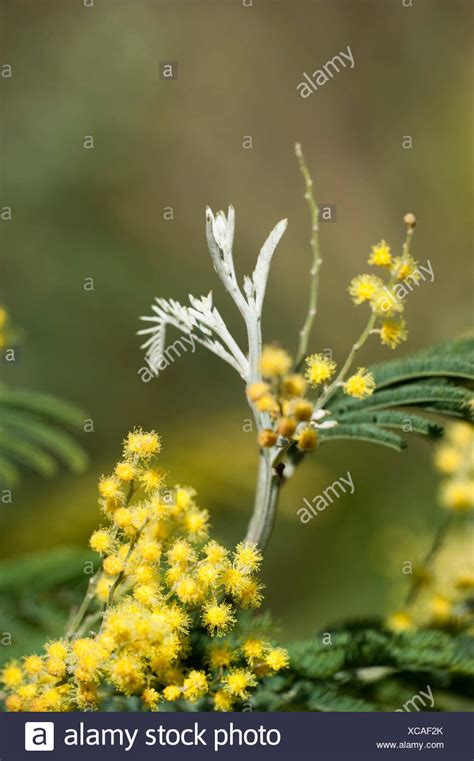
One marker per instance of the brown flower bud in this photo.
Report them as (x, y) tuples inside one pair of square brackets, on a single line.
[(410, 219)]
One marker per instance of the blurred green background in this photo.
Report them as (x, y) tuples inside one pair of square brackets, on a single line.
[(94, 71)]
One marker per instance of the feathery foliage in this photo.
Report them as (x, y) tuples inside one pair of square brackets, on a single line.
[(436, 380), (37, 593), (371, 669), (364, 432), (32, 434)]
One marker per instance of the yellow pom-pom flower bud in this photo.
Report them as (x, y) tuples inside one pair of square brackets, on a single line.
[(293, 385), (400, 621), (458, 494), (306, 439), (125, 471), (277, 659), (113, 565), (172, 692), (142, 444), (393, 332), (109, 487), (274, 362), (360, 385), (195, 685), (267, 438), (237, 683), (319, 369), (286, 427), (218, 618), (381, 255), (247, 556), (100, 541), (364, 287), (256, 390)]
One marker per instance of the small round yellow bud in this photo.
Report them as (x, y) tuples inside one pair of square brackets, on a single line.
[(400, 621), (13, 703), (302, 410), (307, 439), (294, 385), (100, 541), (267, 403), (125, 471), (267, 438), (286, 427), (257, 390), (122, 517), (172, 692), (112, 565)]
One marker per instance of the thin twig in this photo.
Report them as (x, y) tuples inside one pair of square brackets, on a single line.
[(330, 390), (436, 546), (316, 258), (121, 575), (91, 589)]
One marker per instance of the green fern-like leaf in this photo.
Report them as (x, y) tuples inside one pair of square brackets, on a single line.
[(32, 434), (435, 380), (396, 419), (409, 394), (368, 668), (452, 359), (42, 404), (37, 593), (363, 432)]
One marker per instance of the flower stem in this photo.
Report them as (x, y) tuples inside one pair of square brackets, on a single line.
[(266, 502), (90, 594), (438, 542), (121, 575), (329, 391), (316, 259), (88, 597)]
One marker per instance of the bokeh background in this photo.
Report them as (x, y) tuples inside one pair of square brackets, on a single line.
[(94, 71)]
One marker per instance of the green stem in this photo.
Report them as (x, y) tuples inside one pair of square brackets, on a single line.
[(121, 575), (90, 594), (437, 544), (316, 259), (88, 597), (329, 391)]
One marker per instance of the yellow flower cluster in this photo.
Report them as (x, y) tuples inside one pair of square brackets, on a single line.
[(455, 459), (281, 395), (284, 396), (385, 297), (163, 586), (445, 588)]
